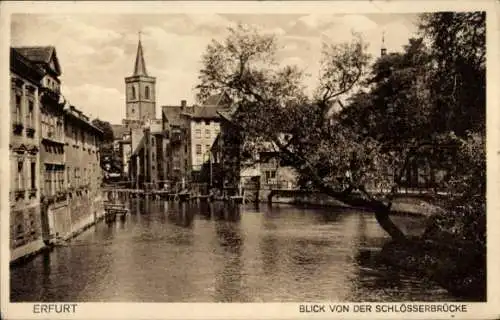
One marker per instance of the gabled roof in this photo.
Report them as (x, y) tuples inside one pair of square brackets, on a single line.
[(172, 114), (20, 64), (205, 113), (139, 146), (41, 55), (217, 100), (227, 113)]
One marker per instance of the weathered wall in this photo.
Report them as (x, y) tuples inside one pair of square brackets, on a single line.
[(25, 231), (65, 219), (80, 211)]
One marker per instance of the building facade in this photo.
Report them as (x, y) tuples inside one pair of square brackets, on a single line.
[(46, 155), (147, 161), (191, 130), (204, 126), (176, 148), (24, 155), (83, 173)]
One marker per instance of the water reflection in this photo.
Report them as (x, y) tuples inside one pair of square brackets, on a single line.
[(46, 273), (181, 215), (228, 282), (216, 252), (205, 209)]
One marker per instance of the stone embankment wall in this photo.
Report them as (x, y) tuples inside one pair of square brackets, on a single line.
[(64, 220), (408, 204), (25, 232)]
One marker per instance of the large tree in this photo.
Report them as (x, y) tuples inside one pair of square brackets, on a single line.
[(273, 107), (457, 42), (106, 128), (386, 125)]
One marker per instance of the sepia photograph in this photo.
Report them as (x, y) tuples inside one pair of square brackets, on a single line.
[(246, 157)]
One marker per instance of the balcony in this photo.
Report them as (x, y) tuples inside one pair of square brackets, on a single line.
[(50, 96), (59, 196), (19, 194), (32, 193), (30, 132), (50, 135), (17, 128), (176, 136)]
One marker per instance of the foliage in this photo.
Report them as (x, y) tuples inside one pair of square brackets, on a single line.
[(457, 43), (272, 105), (397, 107), (466, 215), (425, 103), (401, 115), (106, 128)]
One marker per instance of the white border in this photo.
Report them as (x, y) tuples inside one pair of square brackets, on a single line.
[(489, 310)]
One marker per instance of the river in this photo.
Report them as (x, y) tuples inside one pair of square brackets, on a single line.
[(166, 252)]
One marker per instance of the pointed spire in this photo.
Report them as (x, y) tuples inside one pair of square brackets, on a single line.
[(383, 49), (140, 65)]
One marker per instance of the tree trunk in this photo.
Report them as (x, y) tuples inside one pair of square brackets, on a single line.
[(383, 219), (381, 210)]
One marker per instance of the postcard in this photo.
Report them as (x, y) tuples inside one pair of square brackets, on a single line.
[(275, 160)]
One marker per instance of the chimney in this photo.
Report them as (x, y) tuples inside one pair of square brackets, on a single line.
[(183, 104)]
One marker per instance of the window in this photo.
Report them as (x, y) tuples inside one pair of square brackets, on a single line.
[(48, 180), (207, 148), (270, 176), (198, 133), (185, 148), (33, 175), (20, 175), (207, 133), (29, 116), (68, 175), (198, 149), (147, 92), (152, 141), (18, 112), (133, 93)]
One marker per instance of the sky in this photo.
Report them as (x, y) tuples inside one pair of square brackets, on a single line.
[(96, 52)]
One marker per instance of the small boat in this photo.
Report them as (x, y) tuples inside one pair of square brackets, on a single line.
[(112, 210), (237, 199)]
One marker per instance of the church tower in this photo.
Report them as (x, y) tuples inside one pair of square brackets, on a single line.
[(140, 91)]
